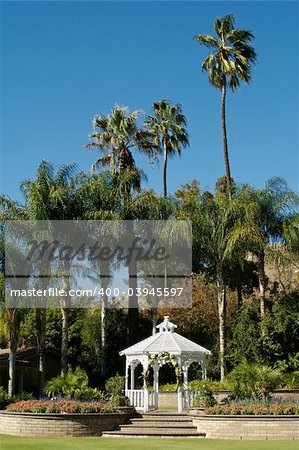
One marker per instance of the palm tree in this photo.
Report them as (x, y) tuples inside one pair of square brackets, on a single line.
[(10, 317), (275, 219), (53, 196), (116, 135), (149, 206), (227, 65), (167, 126), (220, 227), (102, 203)]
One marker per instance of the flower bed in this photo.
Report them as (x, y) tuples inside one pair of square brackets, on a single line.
[(62, 418), (60, 407), (255, 409)]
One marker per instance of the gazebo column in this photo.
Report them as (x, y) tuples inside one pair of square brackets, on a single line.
[(145, 390), (132, 377), (127, 377), (156, 383), (180, 392), (185, 382)]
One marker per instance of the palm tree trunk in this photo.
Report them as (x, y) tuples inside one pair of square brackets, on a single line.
[(13, 345), (221, 294), (65, 325), (154, 320), (104, 266), (41, 324), (165, 169), (262, 282), (103, 337), (64, 340), (224, 137), (133, 302)]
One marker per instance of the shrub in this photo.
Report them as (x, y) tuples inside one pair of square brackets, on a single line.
[(291, 380), (204, 396), (21, 396), (253, 380), (72, 385), (171, 387), (3, 397), (59, 407), (224, 385), (115, 388)]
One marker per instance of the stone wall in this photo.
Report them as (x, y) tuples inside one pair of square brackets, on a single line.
[(28, 424), (169, 400), (248, 427)]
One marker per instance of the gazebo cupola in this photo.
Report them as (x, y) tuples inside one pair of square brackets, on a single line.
[(166, 325)]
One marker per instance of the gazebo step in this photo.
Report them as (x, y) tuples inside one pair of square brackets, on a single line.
[(163, 413), (157, 433), (161, 419), (158, 424), (153, 425)]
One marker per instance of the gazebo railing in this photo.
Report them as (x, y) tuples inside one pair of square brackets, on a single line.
[(136, 397), (188, 397), (153, 400)]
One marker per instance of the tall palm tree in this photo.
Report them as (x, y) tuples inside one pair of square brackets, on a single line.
[(167, 126), (116, 135), (10, 317), (102, 203), (53, 196), (227, 65), (220, 227)]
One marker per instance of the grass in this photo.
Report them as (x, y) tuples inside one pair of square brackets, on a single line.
[(95, 443)]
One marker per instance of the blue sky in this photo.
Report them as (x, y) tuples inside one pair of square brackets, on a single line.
[(64, 62)]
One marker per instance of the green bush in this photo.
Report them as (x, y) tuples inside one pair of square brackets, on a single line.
[(115, 389), (224, 385), (253, 380), (204, 396), (21, 396), (291, 380), (171, 387), (72, 385), (195, 385), (3, 397)]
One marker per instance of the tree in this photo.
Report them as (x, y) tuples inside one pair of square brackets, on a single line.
[(228, 64), (149, 206), (167, 126), (54, 196), (10, 317), (275, 218), (220, 226), (103, 202), (116, 135)]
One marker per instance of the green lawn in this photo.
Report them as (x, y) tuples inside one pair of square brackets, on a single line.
[(24, 443)]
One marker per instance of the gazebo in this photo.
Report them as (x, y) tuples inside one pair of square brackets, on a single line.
[(166, 346)]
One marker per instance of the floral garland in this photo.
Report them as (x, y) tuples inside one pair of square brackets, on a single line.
[(162, 358)]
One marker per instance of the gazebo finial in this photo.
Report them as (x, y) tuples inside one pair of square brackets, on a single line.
[(166, 325)]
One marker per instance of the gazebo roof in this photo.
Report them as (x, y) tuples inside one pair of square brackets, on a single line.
[(166, 340)]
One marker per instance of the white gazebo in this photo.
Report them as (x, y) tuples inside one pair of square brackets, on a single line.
[(166, 346)]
